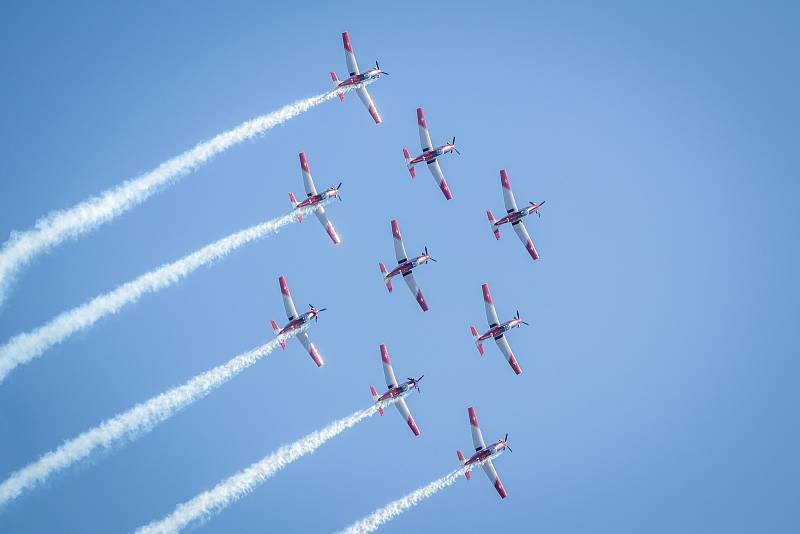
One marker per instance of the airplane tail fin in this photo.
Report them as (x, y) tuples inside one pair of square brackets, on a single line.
[(375, 398), (494, 227), (386, 279), (410, 165), (277, 331), (335, 82), (476, 337), (463, 462), (294, 205)]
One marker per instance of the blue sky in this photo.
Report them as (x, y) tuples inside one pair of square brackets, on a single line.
[(658, 390)]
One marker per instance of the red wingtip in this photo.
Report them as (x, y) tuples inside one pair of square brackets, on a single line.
[(421, 118), (446, 190), (304, 162), (396, 230), (332, 233), (500, 489), (487, 297), (504, 180), (284, 287), (473, 419), (375, 116), (346, 42), (532, 250), (421, 301), (385, 355), (514, 365), (413, 426), (316, 357)]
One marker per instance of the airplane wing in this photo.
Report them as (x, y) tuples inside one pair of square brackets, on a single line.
[(436, 171), (505, 348), (388, 373), (424, 136), (369, 104), (477, 437), (399, 249), (352, 66), (402, 407), (308, 182), (488, 468), (411, 282), (323, 219), (508, 196), (491, 314), (312, 350), (288, 305), (522, 232)]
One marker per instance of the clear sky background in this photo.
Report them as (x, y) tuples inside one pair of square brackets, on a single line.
[(659, 385)]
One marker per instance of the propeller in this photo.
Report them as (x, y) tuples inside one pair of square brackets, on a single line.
[(316, 316), (537, 207), (416, 383), (506, 442), (520, 320), (454, 145), (426, 253), (379, 68), (337, 191)]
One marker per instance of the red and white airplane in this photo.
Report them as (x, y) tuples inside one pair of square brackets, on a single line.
[(315, 199), (298, 322), (485, 454), (429, 155), (514, 216), (396, 391), (357, 77), (405, 267), (497, 330)]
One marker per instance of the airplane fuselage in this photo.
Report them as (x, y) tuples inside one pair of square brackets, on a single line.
[(355, 79), (500, 329), (313, 200), (408, 265), (299, 322), (431, 155), (516, 216), (492, 451), (397, 392)]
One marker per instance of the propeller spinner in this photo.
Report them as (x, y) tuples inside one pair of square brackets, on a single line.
[(454, 145)]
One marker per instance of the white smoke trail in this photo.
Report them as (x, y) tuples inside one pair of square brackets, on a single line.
[(130, 424), (24, 347), (58, 226), (383, 515), (242, 483)]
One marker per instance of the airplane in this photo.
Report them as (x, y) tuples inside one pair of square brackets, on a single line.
[(497, 330), (405, 267), (297, 322), (515, 216), (315, 199), (357, 77), (429, 155), (485, 454), (396, 391)]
